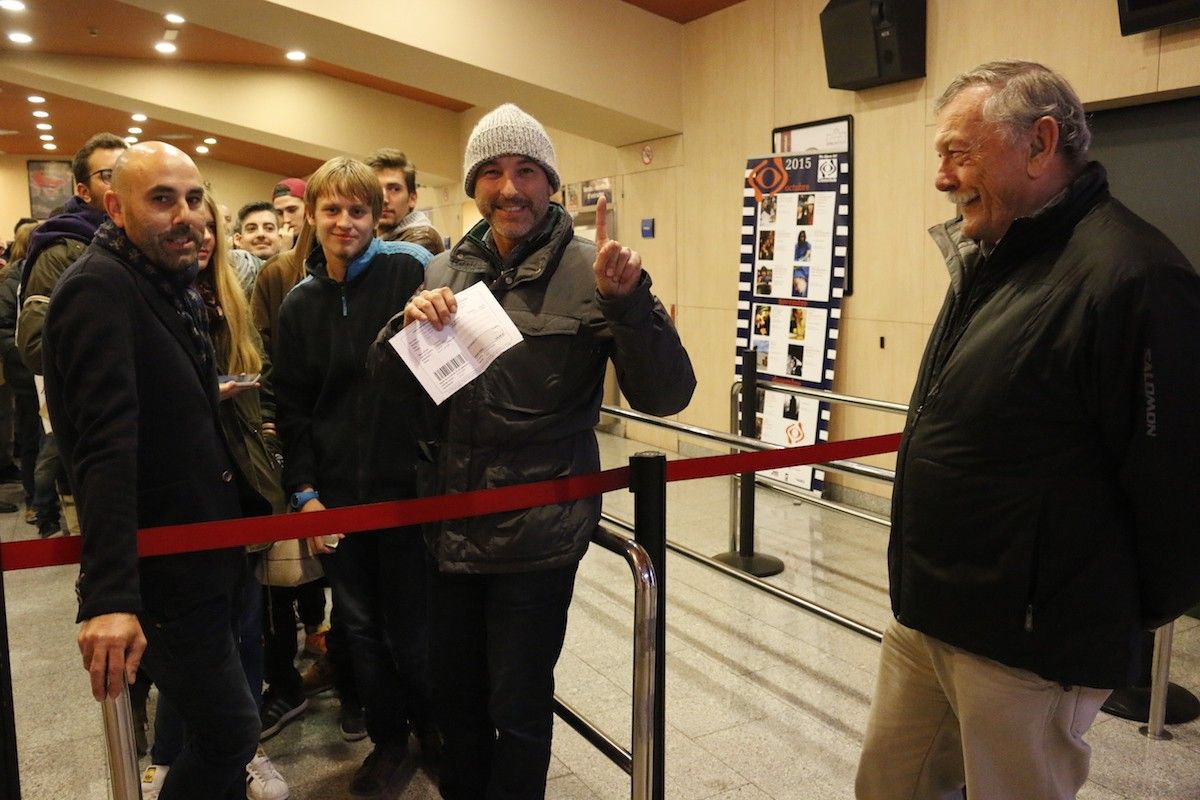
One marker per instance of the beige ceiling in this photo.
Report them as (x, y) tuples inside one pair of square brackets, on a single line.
[(683, 10), (378, 73)]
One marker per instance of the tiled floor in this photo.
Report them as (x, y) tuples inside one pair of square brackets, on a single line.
[(763, 700)]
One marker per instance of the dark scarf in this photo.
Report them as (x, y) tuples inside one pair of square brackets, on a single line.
[(176, 287), (77, 221)]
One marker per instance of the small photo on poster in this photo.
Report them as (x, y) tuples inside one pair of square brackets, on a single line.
[(762, 321), (762, 352), (791, 408), (796, 325), (768, 211), (803, 249), (800, 281), (766, 245), (788, 421), (805, 209), (763, 280), (795, 360)]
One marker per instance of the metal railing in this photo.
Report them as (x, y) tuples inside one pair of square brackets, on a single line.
[(1160, 676), (119, 748), (646, 556), (782, 594), (636, 761)]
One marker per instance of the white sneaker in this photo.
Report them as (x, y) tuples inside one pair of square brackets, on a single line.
[(263, 781), (152, 781)]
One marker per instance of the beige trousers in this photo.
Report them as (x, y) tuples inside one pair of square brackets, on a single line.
[(942, 718)]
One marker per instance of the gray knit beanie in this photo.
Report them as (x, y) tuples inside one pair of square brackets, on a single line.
[(508, 131)]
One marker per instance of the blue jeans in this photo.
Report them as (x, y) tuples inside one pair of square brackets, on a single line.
[(170, 731), (45, 480), (496, 639), (193, 659), (380, 583)]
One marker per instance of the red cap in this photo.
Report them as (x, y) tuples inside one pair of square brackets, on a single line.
[(289, 186)]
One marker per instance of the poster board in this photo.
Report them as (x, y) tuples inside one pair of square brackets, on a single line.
[(832, 135), (51, 184), (794, 249)]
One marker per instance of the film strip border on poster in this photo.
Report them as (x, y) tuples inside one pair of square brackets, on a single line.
[(795, 236)]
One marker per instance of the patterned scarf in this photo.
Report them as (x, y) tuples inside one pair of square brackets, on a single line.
[(176, 287)]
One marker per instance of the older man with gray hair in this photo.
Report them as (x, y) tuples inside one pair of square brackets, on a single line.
[(1046, 497)]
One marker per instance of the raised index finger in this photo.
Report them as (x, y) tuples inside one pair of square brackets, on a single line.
[(601, 221)]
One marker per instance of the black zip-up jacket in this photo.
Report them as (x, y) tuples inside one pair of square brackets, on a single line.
[(1047, 499), (339, 434), (530, 416)]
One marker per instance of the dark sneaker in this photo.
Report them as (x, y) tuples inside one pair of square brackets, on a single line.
[(377, 770), (350, 720), (318, 677), (430, 742), (278, 711), (49, 527)]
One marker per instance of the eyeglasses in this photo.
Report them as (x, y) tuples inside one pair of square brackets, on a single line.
[(105, 175)]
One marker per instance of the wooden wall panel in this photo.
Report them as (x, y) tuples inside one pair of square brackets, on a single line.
[(728, 97), (1079, 38), (1179, 62)]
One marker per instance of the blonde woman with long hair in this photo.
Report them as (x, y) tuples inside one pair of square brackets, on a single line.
[(246, 414)]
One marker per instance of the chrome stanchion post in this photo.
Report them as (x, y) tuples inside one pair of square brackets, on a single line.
[(648, 482), (10, 771), (118, 742), (1160, 683)]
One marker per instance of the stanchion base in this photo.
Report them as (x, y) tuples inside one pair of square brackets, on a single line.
[(758, 565), (1134, 704), (1165, 736)]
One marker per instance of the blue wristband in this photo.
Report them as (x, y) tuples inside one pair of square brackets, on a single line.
[(300, 498)]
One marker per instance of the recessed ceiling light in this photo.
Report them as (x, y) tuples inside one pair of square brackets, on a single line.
[(131, 139), (36, 98), (165, 47), (138, 118), (20, 38), (46, 137), (174, 19), (41, 114), (44, 126), (49, 146), (296, 55), (210, 140), (12, 5), (201, 149), (135, 130)]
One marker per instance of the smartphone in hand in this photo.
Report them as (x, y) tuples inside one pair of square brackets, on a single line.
[(240, 379)]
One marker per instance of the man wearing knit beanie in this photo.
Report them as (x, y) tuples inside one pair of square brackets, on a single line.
[(504, 581)]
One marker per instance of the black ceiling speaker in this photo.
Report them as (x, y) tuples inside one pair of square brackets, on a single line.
[(873, 42)]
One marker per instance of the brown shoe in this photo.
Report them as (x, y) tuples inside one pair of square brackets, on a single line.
[(314, 643), (318, 677)]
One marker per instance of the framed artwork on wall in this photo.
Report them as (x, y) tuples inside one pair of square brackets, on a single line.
[(50, 185)]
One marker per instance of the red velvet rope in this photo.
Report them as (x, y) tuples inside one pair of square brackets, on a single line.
[(27, 554)]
